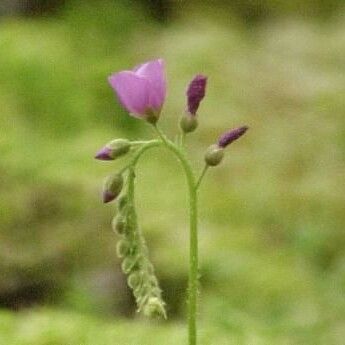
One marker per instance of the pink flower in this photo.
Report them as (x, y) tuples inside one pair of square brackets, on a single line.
[(141, 91)]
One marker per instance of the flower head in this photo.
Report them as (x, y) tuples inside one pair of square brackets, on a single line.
[(141, 91), (195, 93), (230, 136)]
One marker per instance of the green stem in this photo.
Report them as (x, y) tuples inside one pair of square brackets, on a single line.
[(142, 142), (193, 266), (193, 216), (201, 176), (193, 244), (147, 146)]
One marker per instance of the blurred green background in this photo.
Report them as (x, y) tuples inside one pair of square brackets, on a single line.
[(272, 216)]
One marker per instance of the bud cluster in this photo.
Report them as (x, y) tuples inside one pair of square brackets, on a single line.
[(133, 251)]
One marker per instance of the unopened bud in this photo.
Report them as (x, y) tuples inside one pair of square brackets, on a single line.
[(141, 298), (140, 293), (134, 280), (123, 248), (232, 135), (214, 155), (112, 187), (119, 224), (188, 123), (195, 93), (154, 307), (114, 149), (129, 264)]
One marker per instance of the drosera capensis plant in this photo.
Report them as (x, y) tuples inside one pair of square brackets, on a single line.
[(142, 93)]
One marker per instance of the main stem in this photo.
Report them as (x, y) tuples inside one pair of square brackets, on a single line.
[(193, 266), (193, 239), (193, 223)]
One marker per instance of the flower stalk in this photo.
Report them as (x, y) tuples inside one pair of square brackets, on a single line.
[(141, 92), (193, 235)]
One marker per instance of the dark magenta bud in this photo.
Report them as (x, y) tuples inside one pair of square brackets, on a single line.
[(112, 187), (195, 93), (227, 138), (114, 149), (104, 154)]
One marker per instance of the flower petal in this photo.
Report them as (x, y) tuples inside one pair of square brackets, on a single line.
[(132, 91), (154, 72)]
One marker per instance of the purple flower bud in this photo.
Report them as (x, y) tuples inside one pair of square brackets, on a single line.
[(114, 149), (141, 91), (227, 138), (112, 187), (195, 93), (104, 154), (108, 196)]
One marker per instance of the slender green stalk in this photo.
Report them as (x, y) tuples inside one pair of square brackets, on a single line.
[(193, 241), (142, 142), (201, 176), (193, 223), (193, 266), (145, 147)]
